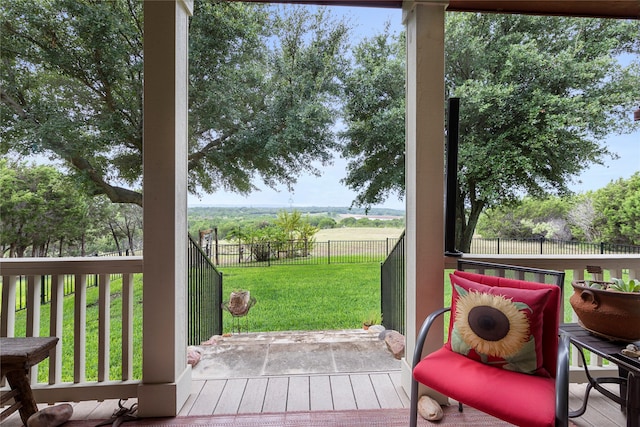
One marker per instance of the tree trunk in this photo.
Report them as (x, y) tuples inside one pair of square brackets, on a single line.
[(469, 228), (115, 238)]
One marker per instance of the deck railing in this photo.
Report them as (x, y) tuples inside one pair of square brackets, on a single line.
[(121, 385), (76, 271)]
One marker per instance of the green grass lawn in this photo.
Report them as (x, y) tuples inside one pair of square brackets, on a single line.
[(306, 297), (91, 331)]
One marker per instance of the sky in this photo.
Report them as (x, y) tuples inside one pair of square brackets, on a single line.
[(327, 190)]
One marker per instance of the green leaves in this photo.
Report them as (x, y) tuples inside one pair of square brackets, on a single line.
[(538, 96), (262, 91), (617, 210), (39, 207), (621, 286), (374, 114)]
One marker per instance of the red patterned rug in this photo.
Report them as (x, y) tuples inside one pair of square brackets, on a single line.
[(368, 418)]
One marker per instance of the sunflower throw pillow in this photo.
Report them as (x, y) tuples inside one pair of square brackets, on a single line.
[(499, 326)]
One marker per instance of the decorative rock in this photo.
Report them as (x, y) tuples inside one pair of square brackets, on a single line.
[(395, 344), (382, 335), (429, 409), (631, 350), (215, 339), (374, 329), (51, 416), (193, 355)]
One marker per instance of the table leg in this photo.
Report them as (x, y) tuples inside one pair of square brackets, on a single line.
[(623, 373), (18, 381), (633, 399)]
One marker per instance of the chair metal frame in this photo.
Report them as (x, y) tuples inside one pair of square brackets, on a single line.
[(562, 366)]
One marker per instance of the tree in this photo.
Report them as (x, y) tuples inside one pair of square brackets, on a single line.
[(538, 94), (528, 218), (125, 223), (375, 108), (38, 207), (582, 216), (262, 91), (617, 209)]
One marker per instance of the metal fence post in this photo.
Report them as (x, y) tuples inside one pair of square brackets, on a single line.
[(43, 290)]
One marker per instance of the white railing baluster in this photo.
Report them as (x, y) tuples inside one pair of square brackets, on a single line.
[(33, 306), (127, 326), (8, 314), (56, 328), (104, 317), (33, 316), (79, 329)]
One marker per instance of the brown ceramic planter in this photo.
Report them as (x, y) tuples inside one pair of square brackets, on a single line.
[(615, 315)]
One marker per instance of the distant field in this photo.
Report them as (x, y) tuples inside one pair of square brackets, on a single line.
[(357, 233)]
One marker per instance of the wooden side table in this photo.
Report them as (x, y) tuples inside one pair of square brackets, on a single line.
[(17, 356)]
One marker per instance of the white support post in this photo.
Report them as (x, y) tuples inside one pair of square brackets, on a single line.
[(166, 376), (425, 121)]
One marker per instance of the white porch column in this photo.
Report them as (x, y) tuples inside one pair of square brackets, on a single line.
[(425, 139), (166, 376)]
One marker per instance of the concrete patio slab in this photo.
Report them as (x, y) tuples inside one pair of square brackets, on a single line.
[(291, 353)]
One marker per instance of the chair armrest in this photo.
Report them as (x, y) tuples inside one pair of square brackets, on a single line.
[(417, 356), (424, 331), (562, 382)]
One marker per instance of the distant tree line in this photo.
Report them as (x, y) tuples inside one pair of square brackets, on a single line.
[(44, 213), (231, 222), (610, 214)]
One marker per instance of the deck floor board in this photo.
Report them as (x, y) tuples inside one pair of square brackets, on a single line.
[(320, 393), (342, 392), (324, 392), (254, 394)]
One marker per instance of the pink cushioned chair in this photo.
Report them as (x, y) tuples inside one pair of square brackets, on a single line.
[(503, 355)]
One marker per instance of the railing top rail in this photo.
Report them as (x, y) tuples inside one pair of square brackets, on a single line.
[(71, 265), (556, 261)]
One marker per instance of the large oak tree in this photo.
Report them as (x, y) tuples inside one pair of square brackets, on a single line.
[(262, 91), (538, 96)]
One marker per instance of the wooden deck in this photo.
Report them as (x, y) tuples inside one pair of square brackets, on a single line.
[(297, 393), (317, 393), (319, 371)]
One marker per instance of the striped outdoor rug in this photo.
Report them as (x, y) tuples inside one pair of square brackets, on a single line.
[(368, 418)]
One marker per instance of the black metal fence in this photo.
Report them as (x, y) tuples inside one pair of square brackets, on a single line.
[(69, 286), (300, 252), (204, 296), (547, 247), (392, 288)]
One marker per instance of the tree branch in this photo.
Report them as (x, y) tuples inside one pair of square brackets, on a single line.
[(15, 106), (114, 193)]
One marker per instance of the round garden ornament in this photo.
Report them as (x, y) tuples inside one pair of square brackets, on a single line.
[(239, 302)]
